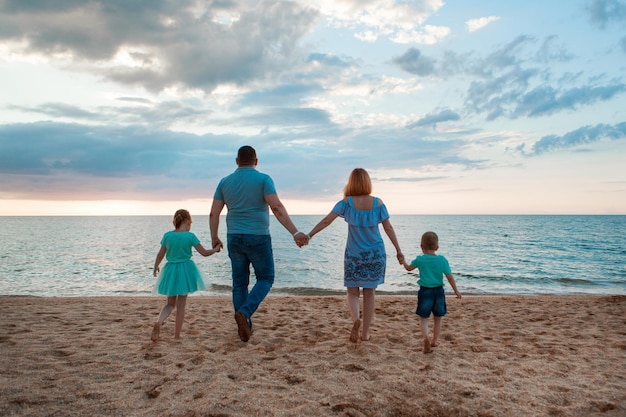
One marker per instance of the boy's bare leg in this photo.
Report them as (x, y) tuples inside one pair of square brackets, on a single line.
[(180, 314), (369, 308), (436, 330), (424, 328)]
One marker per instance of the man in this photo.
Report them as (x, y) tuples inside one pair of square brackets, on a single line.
[(248, 193)]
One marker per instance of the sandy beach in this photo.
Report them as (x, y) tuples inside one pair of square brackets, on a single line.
[(499, 356)]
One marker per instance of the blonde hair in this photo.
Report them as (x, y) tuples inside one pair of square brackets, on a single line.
[(430, 241), (180, 216), (359, 183)]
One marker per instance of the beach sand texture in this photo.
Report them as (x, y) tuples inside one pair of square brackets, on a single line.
[(498, 356)]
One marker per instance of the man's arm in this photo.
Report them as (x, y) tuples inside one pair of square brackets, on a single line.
[(214, 222), (281, 213)]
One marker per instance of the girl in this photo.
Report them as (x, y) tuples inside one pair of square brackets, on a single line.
[(180, 275), (365, 257)]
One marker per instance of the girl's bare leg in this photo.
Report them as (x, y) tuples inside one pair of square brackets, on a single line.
[(369, 308), (354, 307), (180, 314), (424, 327), (436, 330), (165, 312)]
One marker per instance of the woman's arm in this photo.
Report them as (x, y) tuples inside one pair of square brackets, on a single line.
[(394, 240), (324, 223)]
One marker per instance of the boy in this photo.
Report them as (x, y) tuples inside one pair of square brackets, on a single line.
[(431, 297)]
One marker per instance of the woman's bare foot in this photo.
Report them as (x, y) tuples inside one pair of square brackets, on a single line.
[(155, 332), (434, 343), (354, 334), (427, 348)]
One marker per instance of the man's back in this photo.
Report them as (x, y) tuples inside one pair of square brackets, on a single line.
[(244, 193)]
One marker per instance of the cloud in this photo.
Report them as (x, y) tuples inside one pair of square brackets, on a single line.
[(475, 24), (160, 44), (512, 84), (397, 20), (433, 118), (581, 136), (545, 100), (74, 160), (414, 62), (604, 12)]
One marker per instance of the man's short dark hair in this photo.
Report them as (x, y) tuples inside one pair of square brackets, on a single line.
[(246, 155)]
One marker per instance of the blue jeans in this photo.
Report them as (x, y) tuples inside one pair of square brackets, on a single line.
[(244, 250)]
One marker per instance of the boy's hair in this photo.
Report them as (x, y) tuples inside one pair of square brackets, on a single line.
[(246, 155), (430, 241), (359, 183), (180, 216)]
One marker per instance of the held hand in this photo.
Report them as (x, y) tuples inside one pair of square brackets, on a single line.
[(400, 257), (217, 247), (301, 239), (458, 295), (217, 242), (155, 272)]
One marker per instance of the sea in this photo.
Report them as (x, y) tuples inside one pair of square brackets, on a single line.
[(87, 256)]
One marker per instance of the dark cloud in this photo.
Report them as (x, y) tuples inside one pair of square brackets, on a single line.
[(512, 85), (291, 117), (581, 136), (172, 43), (307, 159), (605, 12), (412, 61), (545, 100), (434, 118), (43, 148), (60, 110)]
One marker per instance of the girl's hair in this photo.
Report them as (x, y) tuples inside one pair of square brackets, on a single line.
[(180, 216), (430, 241), (359, 183)]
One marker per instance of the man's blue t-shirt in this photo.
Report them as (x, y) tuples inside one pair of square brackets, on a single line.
[(244, 193)]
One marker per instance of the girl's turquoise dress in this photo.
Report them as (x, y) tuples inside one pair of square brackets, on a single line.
[(180, 275), (365, 258)]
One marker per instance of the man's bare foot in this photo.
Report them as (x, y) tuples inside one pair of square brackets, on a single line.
[(354, 334), (366, 338), (427, 348), (155, 332)]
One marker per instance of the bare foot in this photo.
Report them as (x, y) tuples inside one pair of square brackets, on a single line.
[(354, 334), (155, 332), (427, 348), (365, 338), (434, 343)]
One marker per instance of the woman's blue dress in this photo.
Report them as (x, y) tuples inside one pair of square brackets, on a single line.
[(180, 275), (365, 258)]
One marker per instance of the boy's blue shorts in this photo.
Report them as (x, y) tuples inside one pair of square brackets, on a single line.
[(431, 300)]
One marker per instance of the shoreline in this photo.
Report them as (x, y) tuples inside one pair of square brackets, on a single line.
[(513, 355)]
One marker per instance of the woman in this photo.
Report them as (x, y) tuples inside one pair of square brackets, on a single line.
[(365, 257)]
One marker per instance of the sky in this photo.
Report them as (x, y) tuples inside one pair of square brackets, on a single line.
[(120, 107)]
